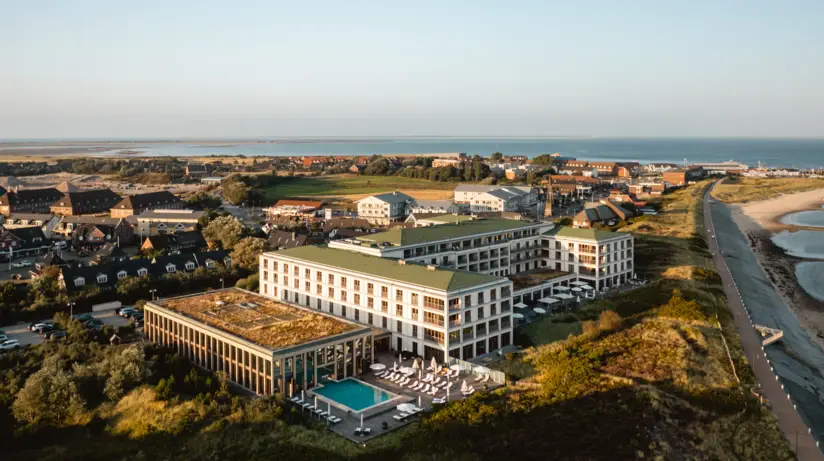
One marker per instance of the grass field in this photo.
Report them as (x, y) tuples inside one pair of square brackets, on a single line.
[(352, 187), (546, 330), (738, 190)]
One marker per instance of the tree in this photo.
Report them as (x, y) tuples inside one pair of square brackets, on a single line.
[(530, 178), (247, 251), (203, 200), (133, 285), (542, 160), (50, 395), (225, 230), (378, 167), (235, 190), (497, 157)]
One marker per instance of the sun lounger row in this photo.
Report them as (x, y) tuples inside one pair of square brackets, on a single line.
[(363, 430), (402, 416), (317, 411), (482, 378)]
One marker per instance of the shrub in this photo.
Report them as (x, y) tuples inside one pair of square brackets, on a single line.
[(609, 320), (682, 309)]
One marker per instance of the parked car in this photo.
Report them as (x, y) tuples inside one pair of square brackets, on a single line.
[(137, 317), (82, 317), (127, 311), (9, 344), (93, 324), (18, 264), (38, 326), (56, 334), (3, 337)]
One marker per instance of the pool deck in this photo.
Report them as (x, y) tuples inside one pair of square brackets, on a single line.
[(374, 417)]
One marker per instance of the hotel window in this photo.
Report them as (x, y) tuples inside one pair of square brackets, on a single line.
[(468, 317), (370, 289), (296, 272), (370, 319), (480, 313), (319, 289), (357, 285), (331, 279), (343, 296), (467, 301), (399, 295), (265, 274), (285, 268), (433, 303), (398, 326), (297, 284), (399, 310), (285, 280), (433, 319), (343, 282), (493, 310), (331, 293), (275, 266), (319, 276), (385, 323), (415, 314), (415, 331), (385, 306), (317, 303), (357, 315), (384, 292), (415, 299), (307, 286), (481, 297), (454, 336), (307, 273), (265, 263), (342, 310), (370, 303), (357, 299)]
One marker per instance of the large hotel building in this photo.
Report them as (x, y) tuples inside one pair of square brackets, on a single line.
[(447, 290)]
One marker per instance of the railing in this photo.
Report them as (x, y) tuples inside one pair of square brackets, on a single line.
[(433, 339), (468, 368)]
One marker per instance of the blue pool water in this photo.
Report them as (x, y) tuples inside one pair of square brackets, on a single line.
[(353, 394)]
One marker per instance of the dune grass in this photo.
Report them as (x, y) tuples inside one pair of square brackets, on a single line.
[(739, 190)]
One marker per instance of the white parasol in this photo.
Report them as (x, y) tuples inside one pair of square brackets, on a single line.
[(577, 289), (539, 310), (433, 364), (518, 316), (563, 296), (464, 387), (377, 367), (549, 300), (587, 287), (415, 364), (578, 283), (394, 366), (520, 305), (561, 288), (361, 420)]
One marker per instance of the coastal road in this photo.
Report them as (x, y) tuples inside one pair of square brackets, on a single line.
[(796, 359)]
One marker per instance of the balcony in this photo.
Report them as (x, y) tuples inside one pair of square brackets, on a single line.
[(455, 323), (468, 336), (586, 272), (433, 339)]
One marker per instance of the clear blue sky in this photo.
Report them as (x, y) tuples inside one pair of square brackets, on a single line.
[(181, 68)]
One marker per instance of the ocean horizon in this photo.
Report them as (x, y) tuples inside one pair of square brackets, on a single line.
[(772, 152)]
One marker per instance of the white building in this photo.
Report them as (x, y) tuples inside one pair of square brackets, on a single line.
[(722, 167), (602, 259), (428, 310), (385, 208), (434, 206), (481, 198)]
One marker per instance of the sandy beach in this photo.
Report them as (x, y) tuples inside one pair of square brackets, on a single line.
[(759, 221)]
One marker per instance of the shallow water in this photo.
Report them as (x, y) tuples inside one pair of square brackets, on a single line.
[(814, 218), (802, 244), (810, 276)]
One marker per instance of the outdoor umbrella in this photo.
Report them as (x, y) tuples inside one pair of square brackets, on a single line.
[(394, 366), (520, 305), (539, 310), (433, 364), (578, 300), (518, 316), (586, 287), (577, 289), (406, 407), (578, 283), (377, 367), (561, 288), (464, 387), (303, 396), (419, 400), (549, 300), (415, 364)]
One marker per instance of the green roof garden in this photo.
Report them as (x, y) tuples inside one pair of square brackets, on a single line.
[(586, 234), (419, 235), (413, 273), (450, 218)]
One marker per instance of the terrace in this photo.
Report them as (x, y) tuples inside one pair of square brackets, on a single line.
[(535, 277)]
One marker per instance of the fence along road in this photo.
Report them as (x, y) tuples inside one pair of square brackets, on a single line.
[(755, 287)]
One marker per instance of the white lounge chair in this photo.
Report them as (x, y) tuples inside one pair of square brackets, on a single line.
[(471, 391), (480, 377), (439, 400), (428, 378), (448, 387), (367, 430), (425, 389), (404, 381), (333, 419), (455, 374), (415, 383), (436, 381), (434, 391), (417, 386), (486, 379)]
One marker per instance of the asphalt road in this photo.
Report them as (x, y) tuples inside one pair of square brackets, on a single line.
[(796, 359), (27, 338)]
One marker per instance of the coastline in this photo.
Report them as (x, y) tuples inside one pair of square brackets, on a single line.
[(758, 221)]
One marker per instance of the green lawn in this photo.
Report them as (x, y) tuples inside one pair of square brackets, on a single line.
[(546, 331), (347, 184)]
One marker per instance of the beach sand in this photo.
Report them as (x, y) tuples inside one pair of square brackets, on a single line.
[(759, 221)]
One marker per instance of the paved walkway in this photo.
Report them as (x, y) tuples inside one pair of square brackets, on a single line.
[(788, 418)]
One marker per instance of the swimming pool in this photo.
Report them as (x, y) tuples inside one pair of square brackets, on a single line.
[(353, 394)]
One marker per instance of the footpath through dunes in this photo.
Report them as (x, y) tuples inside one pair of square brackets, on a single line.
[(796, 359)]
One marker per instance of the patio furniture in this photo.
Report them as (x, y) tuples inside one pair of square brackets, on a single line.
[(404, 381), (425, 389), (479, 378), (439, 400), (411, 386), (434, 391), (437, 381), (367, 430), (358, 431), (417, 386), (486, 379), (333, 419), (428, 378)]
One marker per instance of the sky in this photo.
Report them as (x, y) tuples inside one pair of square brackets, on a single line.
[(186, 68)]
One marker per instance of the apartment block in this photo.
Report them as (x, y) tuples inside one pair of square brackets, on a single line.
[(428, 310), (603, 259)]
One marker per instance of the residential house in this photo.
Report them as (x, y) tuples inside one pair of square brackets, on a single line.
[(385, 208), (159, 222), (196, 170), (605, 168), (279, 239), (50, 259), (93, 236), (109, 252), (47, 222), (497, 198), (604, 212), (189, 240), (138, 203), (28, 201), (307, 208), (65, 229), (85, 202), (683, 177), (23, 241), (434, 206)]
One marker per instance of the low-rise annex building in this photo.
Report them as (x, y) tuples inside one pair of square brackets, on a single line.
[(261, 344), (427, 310)]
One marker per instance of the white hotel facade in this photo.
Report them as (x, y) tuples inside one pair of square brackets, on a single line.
[(443, 290)]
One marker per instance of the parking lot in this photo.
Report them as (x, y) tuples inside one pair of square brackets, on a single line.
[(21, 331)]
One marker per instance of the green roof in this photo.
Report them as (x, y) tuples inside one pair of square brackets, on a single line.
[(588, 234), (416, 274), (450, 218), (418, 235)]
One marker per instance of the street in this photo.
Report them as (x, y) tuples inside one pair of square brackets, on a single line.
[(796, 359)]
